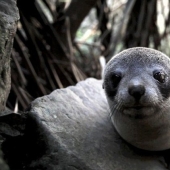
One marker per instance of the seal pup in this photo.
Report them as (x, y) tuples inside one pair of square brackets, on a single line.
[(137, 87)]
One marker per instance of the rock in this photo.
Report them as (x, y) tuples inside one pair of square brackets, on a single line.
[(3, 165), (12, 141), (70, 129), (9, 16)]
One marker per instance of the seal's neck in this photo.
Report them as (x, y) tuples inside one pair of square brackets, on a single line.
[(149, 134)]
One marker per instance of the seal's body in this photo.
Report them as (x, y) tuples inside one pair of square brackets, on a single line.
[(137, 86)]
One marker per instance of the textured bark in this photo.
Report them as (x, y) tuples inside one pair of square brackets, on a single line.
[(8, 23)]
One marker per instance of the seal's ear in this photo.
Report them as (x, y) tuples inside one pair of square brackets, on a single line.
[(103, 85)]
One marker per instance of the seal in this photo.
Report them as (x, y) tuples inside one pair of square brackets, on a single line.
[(137, 88)]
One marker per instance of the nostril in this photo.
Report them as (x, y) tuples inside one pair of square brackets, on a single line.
[(137, 91)]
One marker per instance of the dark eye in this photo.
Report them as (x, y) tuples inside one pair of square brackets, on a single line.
[(115, 79), (160, 76)]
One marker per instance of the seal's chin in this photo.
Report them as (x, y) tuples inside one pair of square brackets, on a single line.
[(138, 111)]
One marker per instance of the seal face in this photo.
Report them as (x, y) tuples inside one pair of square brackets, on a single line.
[(137, 87)]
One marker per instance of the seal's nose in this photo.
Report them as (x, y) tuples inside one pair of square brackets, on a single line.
[(136, 90)]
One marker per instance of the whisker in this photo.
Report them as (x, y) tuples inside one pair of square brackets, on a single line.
[(115, 108)]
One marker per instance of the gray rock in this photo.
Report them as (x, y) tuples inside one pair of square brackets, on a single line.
[(3, 165), (72, 130), (9, 16), (12, 141)]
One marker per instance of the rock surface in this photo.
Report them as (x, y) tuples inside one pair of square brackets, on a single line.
[(70, 129), (9, 16), (3, 165)]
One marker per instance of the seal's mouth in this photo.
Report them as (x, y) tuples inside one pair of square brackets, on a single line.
[(138, 111), (137, 107)]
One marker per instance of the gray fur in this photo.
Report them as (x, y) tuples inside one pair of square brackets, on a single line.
[(143, 122)]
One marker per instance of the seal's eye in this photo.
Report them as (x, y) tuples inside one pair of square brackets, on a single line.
[(115, 78), (160, 76)]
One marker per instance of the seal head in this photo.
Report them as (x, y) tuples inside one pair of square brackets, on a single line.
[(137, 87)]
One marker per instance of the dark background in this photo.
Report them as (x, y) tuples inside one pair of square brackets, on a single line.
[(60, 43)]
